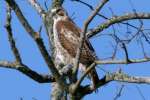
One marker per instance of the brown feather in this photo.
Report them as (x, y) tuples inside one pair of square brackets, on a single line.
[(70, 44)]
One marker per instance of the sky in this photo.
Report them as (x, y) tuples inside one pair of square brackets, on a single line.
[(14, 85)]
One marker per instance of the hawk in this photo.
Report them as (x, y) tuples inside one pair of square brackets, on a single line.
[(66, 41)]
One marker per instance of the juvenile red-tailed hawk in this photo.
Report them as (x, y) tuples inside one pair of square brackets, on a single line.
[(66, 41)]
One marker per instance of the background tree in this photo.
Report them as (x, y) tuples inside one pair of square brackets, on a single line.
[(119, 37)]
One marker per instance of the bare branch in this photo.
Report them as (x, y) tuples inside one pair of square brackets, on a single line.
[(116, 39), (143, 49), (100, 15), (84, 3), (126, 78), (126, 52), (91, 17), (90, 7), (123, 61), (117, 76), (84, 90), (21, 17), (82, 36), (119, 92), (10, 36), (38, 8), (27, 71), (35, 36), (118, 19), (57, 3), (83, 76), (39, 42), (140, 92)]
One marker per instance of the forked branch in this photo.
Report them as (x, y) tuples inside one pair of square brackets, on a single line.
[(35, 36), (116, 76), (10, 36), (27, 71), (117, 19), (78, 83), (18, 65), (82, 36)]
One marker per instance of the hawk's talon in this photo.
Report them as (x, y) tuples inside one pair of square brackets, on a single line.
[(66, 69)]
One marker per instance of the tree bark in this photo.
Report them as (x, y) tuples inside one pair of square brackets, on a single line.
[(57, 93)]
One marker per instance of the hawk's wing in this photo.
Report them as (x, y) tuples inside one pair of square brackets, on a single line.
[(69, 35)]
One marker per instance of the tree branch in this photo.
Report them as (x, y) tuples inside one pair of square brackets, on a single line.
[(120, 76), (18, 64), (10, 36), (115, 20), (126, 52), (117, 76), (122, 61), (27, 71), (38, 8), (140, 92), (21, 17), (82, 36), (35, 36), (119, 92), (77, 85), (90, 7), (104, 17), (39, 42)]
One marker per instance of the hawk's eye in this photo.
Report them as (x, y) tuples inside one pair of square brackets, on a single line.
[(61, 13)]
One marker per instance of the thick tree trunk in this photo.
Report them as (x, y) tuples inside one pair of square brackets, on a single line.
[(57, 93)]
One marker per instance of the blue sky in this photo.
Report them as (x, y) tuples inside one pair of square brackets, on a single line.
[(14, 85)]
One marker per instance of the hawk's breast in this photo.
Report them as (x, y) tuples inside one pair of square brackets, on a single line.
[(68, 35)]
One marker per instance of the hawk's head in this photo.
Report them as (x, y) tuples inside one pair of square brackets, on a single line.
[(59, 13)]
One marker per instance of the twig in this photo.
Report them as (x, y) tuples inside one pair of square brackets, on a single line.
[(119, 92), (45, 4), (100, 15), (140, 28), (38, 8), (140, 92), (114, 52), (116, 39), (10, 36), (83, 76), (126, 52), (84, 3), (143, 49), (90, 7)]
